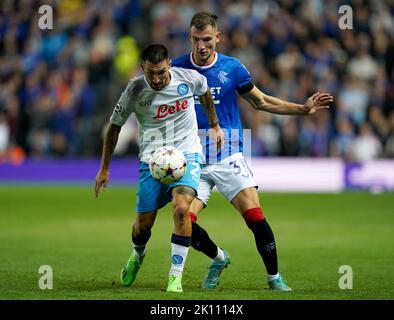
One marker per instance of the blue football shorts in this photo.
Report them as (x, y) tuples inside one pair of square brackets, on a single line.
[(153, 195)]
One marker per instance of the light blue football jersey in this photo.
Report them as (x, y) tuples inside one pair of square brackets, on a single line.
[(226, 75)]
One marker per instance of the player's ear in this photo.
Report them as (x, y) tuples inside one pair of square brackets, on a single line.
[(218, 36), (170, 63)]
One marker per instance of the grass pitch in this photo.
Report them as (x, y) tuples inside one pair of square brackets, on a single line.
[(86, 241)]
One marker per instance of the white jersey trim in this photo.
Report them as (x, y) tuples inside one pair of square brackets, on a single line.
[(204, 67)]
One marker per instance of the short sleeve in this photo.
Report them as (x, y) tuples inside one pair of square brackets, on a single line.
[(201, 83), (244, 80), (124, 107)]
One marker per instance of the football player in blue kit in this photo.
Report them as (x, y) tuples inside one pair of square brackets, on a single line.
[(228, 170)]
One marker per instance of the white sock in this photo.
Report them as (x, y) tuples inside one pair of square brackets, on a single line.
[(139, 251), (272, 277), (220, 255), (178, 259)]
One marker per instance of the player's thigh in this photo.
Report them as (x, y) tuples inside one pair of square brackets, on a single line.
[(205, 187), (232, 177), (191, 177), (185, 190), (151, 194)]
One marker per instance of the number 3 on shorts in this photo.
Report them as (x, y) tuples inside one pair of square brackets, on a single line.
[(239, 169)]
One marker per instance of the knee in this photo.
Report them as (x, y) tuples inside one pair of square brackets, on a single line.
[(253, 216), (181, 211), (181, 208)]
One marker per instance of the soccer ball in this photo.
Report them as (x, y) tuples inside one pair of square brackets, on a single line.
[(167, 165)]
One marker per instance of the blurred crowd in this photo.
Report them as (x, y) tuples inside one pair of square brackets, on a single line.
[(58, 87)]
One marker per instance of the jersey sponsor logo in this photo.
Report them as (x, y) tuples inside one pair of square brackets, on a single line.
[(223, 76), (118, 108), (182, 89), (164, 110), (177, 259), (216, 90), (216, 93)]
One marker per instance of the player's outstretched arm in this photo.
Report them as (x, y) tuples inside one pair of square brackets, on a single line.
[(110, 140), (260, 101), (210, 111)]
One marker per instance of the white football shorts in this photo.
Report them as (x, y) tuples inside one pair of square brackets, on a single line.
[(230, 176)]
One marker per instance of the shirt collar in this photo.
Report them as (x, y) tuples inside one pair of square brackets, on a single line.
[(204, 67)]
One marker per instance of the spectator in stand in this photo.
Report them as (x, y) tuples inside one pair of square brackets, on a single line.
[(290, 47), (366, 145)]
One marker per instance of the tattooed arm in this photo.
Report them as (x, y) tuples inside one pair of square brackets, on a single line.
[(210, 111), (110, 140), (260, 101), (209, 108)]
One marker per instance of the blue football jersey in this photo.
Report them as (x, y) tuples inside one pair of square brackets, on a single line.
[(225, 76)]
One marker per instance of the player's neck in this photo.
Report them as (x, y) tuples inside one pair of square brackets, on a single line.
[(204, 63)]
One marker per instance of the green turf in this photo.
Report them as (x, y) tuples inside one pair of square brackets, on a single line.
[(87, 241)]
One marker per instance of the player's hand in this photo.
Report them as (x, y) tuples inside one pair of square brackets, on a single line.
[(102, 179), (218, 135), (317, 102)]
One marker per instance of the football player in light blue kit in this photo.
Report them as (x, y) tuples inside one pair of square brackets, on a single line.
[(229, 171), (163, 102)]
